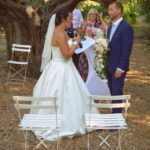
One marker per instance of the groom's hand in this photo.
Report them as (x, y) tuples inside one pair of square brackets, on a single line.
[(118, 73)]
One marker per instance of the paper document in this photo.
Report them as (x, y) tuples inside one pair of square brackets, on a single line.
[(85, 45)]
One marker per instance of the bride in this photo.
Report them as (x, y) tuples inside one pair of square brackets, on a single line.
[(60, 77)]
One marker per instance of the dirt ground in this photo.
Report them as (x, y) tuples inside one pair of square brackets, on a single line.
[(136, 137)]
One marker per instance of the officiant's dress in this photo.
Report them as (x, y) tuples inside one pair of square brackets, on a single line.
[(60, 78)]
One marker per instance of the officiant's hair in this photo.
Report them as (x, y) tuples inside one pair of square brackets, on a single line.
[(118, 5), (62, 14), (91, 11)]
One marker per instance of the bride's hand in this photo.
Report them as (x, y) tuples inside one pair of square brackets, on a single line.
[(82, 27), (77, 38), (80, 31)]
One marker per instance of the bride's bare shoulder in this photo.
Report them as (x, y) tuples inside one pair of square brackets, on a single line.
[(58, 37), (58, 33)]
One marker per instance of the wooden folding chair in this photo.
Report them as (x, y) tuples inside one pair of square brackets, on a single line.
[(107, 121)]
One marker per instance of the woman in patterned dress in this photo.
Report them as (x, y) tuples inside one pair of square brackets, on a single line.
[(94, 19)]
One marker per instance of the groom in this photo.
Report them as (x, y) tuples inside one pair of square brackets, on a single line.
[(120, 35)]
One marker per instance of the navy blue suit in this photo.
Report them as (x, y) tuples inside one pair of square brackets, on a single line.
[(118, 57)]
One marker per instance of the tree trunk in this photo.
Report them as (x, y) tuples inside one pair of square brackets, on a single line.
[(20, 29)]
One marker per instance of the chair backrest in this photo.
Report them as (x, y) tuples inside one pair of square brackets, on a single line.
[(24, 50), (105, 102), (21, 48), (22, 102)]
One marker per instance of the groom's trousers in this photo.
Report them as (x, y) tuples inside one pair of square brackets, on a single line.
[(116, 88)]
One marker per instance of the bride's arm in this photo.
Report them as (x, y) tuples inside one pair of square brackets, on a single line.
[(67, 51)]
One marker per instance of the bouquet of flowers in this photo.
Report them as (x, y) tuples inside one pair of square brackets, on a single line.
[(94, 32), (101, 47)]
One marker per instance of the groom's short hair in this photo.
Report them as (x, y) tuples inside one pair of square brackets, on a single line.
[(118, 5)]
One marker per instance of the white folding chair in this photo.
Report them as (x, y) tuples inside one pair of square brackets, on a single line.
[(37, 123), (18, 69), (107, 121)]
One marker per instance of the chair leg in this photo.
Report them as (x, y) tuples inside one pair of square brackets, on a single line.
[(26, 139), (119, 140), (8, 76), (88, 140), (41, 142), (17, 72), (57, 144), (104, 141), (25, 75), (13, 72), (57, 138)]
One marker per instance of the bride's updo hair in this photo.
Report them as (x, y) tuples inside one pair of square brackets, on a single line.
[(62, 14)]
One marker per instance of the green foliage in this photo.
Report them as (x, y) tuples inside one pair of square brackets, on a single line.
[(86, 6), (130, 10), (145, 9), (142, 7)]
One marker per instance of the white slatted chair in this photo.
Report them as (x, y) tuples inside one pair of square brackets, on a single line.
[(107, 121), (18, 76), (37, 123)]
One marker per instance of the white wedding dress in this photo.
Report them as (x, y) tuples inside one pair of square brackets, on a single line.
[(60, 78)]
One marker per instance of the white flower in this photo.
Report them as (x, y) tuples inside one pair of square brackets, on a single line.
[(99, 62)]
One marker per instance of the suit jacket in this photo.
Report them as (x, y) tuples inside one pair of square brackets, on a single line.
[(120, 47)]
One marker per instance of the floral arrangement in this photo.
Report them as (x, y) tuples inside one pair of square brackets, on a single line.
[(94, 32), (101, 47)]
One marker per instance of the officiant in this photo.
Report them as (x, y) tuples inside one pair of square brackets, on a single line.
[(79, 60)]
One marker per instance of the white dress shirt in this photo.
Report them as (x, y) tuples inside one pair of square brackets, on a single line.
[(113, 29), (77, 18)]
